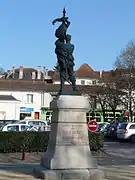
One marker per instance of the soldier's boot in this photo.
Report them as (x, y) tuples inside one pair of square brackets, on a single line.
[(61, 87), (74, 87)]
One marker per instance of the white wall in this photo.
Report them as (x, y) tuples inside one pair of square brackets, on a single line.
[(47, 99), (11, 110)]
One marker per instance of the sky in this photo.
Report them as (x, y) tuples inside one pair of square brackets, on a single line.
[(100, 29)]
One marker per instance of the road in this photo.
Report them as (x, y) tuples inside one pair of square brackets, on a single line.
[(119, 161), (118, 153)]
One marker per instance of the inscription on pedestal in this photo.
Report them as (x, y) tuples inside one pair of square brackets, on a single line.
[(73, 135)]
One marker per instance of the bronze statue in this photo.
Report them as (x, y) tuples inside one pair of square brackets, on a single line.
[(64, 51)]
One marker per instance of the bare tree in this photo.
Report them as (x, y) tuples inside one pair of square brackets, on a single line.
[(114, 99), (102, 100), (97, 96), (125, 73)]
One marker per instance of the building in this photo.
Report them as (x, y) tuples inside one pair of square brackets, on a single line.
[(85, 75), (33, 89), (28, 98), (31, 98)]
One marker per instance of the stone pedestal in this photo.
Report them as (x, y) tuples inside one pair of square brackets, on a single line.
[(68, 155)]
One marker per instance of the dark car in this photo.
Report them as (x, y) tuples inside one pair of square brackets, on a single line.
[(111, 131)]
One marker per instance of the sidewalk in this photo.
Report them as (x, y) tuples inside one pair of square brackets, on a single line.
[(17, 171), (122, 172), (12, 167)]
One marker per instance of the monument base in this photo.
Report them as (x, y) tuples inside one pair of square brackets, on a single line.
[(78, 174), (68, 156)]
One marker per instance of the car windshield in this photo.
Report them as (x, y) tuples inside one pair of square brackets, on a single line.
[(100, 125), (122, 126)]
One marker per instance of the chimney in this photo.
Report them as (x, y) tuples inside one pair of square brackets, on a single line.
[(44, 69), (101, 73), (39, 72), (33, 75), (46, 73), (21, 72), (13, 70)]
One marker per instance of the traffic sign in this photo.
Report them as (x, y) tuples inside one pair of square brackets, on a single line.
[(92, 126)]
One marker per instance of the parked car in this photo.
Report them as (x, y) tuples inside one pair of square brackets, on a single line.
[(40, 124), (4, 122), (111, 130), (126, 131), (18, 127), (102, 126)]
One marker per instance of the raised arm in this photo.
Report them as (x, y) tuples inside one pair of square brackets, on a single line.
[(63, 20)]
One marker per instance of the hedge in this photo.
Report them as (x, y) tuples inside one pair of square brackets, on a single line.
[(37, 141)]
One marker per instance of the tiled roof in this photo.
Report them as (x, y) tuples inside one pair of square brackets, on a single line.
[(85, 71), (55, 76), (26, 70)]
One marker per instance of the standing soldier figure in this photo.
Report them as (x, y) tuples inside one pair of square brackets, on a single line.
[(64, 52)]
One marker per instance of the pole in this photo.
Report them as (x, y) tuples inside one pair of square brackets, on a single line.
[(23, 156), (64, 12)]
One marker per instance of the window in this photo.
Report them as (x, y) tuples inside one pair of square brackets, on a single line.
[(29, 98), (32, 123), (117, 115), (13, 128), (42, 123), (48, 116), (24, 115), (37, 123), (111, 115), (24, 128), (132, 127), (27, 76), (123, 126), (82, 82), (94, 82)]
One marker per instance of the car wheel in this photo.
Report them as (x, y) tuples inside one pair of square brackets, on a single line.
[(132, 139)]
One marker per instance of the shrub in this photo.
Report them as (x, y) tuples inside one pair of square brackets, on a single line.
[(96, 141), (36, 141)]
